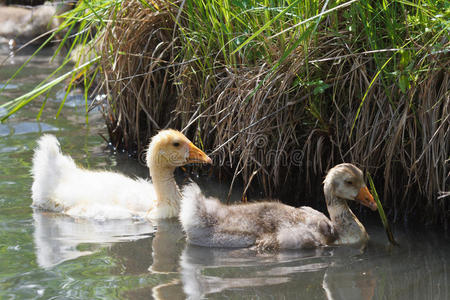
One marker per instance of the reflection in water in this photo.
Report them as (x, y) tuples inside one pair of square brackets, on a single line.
[(157, 257), (167, 245), (359, 284), (139, 247), (206, 271), (197, 261), (312, 273), (170, 269), (174, 270), (58, 237)]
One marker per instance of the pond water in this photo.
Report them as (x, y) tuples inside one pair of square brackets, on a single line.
[(47, 255)]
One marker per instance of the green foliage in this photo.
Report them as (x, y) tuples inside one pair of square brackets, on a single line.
[(246, 33)]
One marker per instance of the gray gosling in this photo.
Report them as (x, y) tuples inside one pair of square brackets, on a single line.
[(272, 225)]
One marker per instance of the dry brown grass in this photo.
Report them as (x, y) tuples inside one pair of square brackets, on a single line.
[(282, 136), (136, 74)]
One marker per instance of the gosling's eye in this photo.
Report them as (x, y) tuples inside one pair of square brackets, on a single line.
[(349, 182), (176, 144)]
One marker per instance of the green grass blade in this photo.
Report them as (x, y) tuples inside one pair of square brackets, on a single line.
[(16, 104), (94, 11), (267, 25), (381, 212), (27, 61), (367, 92)]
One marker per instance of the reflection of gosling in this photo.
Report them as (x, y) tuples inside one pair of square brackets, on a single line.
[(207, 222), (57, 238), (166, 246), (59, 185)]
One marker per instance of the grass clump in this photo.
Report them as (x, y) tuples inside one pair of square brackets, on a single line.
[(281, 90)]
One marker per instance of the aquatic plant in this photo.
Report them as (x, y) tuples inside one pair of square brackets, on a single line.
[(281, 89), (381, 212)]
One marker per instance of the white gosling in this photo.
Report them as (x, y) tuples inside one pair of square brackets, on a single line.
[(272, 225), (60, 185)]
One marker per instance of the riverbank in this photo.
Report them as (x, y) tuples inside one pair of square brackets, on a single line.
[(281, 91)]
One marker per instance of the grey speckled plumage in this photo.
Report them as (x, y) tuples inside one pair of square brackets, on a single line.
[(273, 225)]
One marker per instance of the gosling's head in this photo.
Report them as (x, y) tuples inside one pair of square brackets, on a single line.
[(170, 148), (346, 181)]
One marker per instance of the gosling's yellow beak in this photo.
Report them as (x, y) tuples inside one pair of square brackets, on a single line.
[(366, 198), (197, 156)]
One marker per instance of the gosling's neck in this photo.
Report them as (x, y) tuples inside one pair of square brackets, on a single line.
[(349, 228), (166, 189)]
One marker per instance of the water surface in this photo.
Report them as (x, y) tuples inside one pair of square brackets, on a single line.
[(47, 255)]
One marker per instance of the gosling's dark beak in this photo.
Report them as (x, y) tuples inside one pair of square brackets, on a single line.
[(197, 156), (366, 198)]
